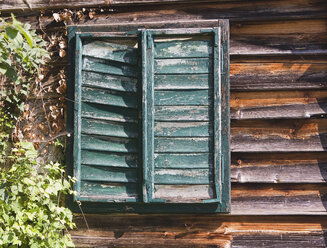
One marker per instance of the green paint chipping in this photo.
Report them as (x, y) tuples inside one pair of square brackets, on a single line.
[(152, 120)]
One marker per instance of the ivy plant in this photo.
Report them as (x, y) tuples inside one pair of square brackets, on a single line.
[(30, 193)]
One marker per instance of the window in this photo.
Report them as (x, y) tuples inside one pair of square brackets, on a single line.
[(151, 118)]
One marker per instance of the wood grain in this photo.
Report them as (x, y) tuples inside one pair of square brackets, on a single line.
[(278, 135), (279, 168), (278, 104)]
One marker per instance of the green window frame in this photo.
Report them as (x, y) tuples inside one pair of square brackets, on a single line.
[(170, 147)]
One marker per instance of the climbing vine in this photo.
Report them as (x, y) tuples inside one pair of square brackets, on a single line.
[(30, 193)]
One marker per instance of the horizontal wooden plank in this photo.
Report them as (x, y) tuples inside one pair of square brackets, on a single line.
[(103, 191), (186, 145), (185, 161), (183, 177), (180, 81), (109, 67), (199, 229), (105, 128), (107, 174), (183, 193), (182, 113), (282, 75), (182, 129), (271, 240), (279, 199), (279, 168), (278, 135), (283, 104), (182, 48), (100, 96), (103, 112), (115, 50), (182, 66), (180, 98), (109, 144), (151, 239), (109, 159), (189, 224), (278, 44), (110, 82), (161, 10)]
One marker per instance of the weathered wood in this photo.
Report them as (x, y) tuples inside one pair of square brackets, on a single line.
[(110, 67), (115, 50), (187, 145), (276, 199), (184, 193), (182, 66), (185, 161), (195, 223), (99, 127), (180, 82), (278, 136), (112, 144), (177, 48), (110, 82), (115, 230), (100, 96), (277, 105), (104, 112), (283, 75), (108, 159), (180, 98), (279, 167), (317, 239), (103, 191), (182, 129), (182, 176), (182, 113), (108, 174)]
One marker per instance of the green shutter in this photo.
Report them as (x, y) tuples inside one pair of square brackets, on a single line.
[(151, 119), (107, 145), (184, 98)]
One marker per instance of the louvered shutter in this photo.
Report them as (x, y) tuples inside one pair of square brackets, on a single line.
[(106, 150), (184, 99), (151, 119)]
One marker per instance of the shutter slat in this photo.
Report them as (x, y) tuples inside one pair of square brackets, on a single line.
[(109, 159), (105, 128), (182, 129), (182, 48), (109, 144), (182, 81), (182, 113), (100, 96), (184, 193), (107, 174), (183, 161), (167, 144), (102, 112), (109, 67), (179, 98), (182, 66), (108, 192), (112, 51), (110, 82), (182, 176)]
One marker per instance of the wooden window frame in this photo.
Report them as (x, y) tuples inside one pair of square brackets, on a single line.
[(220, 31)]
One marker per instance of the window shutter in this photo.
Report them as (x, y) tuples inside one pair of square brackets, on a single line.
[(184, 127), (151, 118), (106, 150)]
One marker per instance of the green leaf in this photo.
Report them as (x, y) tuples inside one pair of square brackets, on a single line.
[(11, 32)]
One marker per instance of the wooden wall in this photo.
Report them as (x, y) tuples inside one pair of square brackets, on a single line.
[(278, 122)]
